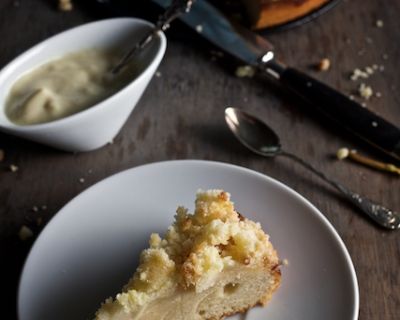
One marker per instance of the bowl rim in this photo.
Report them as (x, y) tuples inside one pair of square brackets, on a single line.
[(7, 70)]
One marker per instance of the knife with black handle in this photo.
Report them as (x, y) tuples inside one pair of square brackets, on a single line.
[(362, 122), (256, 51)]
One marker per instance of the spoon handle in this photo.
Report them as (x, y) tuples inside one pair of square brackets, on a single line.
[(176, 9), (381, 215)]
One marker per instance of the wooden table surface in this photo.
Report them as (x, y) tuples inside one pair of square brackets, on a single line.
[(181, 117)]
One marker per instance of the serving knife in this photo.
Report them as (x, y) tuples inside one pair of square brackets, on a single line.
[(256, 51)]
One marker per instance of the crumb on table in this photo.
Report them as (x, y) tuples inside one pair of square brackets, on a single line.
[(342, 153), (324, 65), (65, 5), (25, 233), (365, 91), (245, 71)]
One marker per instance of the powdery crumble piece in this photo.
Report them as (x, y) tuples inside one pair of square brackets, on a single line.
[(342, 153), (25, 233), (358, 73), (194, 250), (13, 168), (245, 71), (365, 91), (379, 23)]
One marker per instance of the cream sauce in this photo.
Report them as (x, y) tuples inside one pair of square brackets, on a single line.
[(65, 86)]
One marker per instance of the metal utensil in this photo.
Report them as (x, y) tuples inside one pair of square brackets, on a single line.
[(256, 51), (261, 139), (173, 11)]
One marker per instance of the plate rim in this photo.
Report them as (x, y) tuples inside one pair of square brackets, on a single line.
[(277, 183)]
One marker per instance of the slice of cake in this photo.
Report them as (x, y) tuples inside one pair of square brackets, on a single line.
[(210, 264)]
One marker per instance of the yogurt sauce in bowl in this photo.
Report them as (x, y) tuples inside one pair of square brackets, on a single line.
[(66, 85)]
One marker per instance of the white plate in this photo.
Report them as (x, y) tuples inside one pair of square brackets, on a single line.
[(90, 249)]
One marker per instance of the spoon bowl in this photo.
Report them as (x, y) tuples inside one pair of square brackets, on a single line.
[(252, 132)]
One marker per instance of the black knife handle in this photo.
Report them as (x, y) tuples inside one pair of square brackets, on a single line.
[(345, 111)]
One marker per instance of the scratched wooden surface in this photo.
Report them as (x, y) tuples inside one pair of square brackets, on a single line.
[(181, 116)]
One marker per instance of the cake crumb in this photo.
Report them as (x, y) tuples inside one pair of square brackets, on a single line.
[(13, 168), (374, 124), (365, 91), (65, 5), (342, 153), (39, 221), (379, 23), (25, 233), (158, 74), (35, 209), (358, 73), (199, 28), (81, 180), (369, 70), (368, 40), (324, 65), (44, 207), (245, 71), (378, 94), (285, 262)]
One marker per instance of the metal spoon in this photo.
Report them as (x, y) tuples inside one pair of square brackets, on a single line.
[(261, 139), (175, 10)]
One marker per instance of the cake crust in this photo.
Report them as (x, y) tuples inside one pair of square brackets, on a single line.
[(270, 13)]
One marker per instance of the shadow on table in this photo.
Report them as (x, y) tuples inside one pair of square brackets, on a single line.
[(13, 253)]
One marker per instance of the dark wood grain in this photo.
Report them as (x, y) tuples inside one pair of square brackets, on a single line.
[(181, 116)]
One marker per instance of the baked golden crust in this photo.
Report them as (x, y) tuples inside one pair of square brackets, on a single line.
[(269, 13)]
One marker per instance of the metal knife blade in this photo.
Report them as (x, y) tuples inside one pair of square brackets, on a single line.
[(222, 33), (255, 50)]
